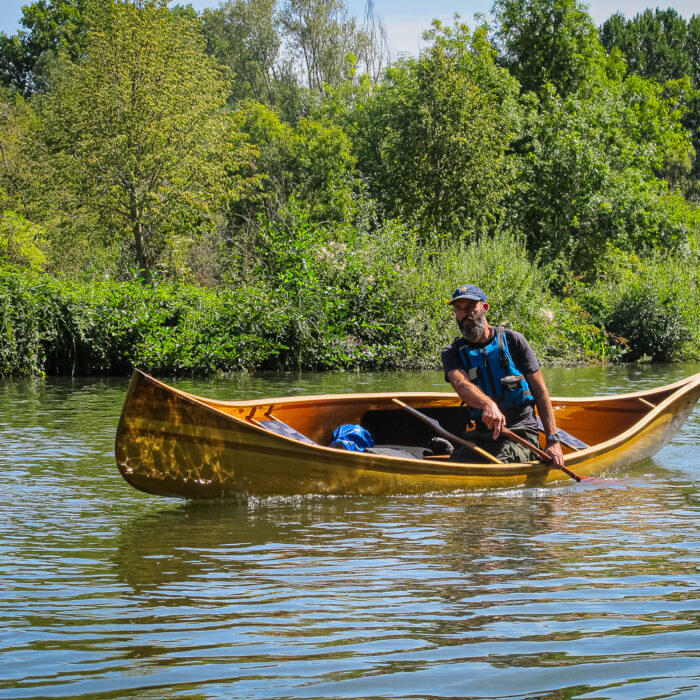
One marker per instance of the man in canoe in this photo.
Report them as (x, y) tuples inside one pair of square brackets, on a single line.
[(495, 372)]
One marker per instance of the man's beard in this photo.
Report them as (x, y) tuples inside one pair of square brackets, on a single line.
[(472, 333)]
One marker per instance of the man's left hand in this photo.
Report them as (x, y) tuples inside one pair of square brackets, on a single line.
[(555, 452)]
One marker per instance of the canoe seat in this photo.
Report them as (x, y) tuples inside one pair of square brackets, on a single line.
[(566, 438), (277, 426), (402, 451)]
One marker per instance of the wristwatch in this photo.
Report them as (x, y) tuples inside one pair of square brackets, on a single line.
[(554, 437)]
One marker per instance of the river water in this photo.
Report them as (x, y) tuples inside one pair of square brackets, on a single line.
[(569, 591)]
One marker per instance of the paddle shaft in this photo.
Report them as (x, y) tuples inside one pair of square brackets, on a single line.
[(439, 429), (504, 431), (536, 450)]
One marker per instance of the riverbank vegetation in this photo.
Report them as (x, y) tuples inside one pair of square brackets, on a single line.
[(261, 187)]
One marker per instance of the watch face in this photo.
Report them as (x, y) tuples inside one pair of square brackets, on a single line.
[(553, 438)]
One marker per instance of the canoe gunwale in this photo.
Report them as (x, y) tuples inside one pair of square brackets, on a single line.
[(448, 396)]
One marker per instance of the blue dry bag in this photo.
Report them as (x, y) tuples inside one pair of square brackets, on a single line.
[(352, 437)]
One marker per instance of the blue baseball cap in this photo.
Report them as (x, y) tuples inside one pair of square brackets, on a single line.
[(468, 291)]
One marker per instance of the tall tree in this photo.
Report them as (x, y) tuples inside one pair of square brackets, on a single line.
[(374, 57), (311, 163), (20, 184), (589, 166), (654, 43), (433, 138), (18, 174), (243, 35), (325, 39), (138, 133), (661, 45)]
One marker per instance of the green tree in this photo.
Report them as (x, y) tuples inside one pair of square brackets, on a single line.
[(311, 163), (653, 42), (548, 42), (20, 178), (325, 40), (432, 139), (50, 27), (661, 45), (588, 173), (597, 151), (21, 241), (142, 147), (243, 35), (693, 48)]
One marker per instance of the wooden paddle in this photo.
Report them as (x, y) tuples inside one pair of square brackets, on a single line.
[(540, 453), (507, 433), (439, 429)]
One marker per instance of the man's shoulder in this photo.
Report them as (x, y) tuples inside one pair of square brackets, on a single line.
[(522, 352), (450, 356), (516, 337), (456, 344)]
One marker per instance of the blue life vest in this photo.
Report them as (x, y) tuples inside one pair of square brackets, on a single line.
[(488, 366)]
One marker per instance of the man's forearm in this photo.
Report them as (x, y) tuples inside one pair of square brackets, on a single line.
[(491, 415), (543, 402), (466, 390)]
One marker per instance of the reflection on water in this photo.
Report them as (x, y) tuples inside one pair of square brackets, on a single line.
[(576, 590)]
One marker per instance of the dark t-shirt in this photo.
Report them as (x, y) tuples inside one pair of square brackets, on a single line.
[(523, 358)]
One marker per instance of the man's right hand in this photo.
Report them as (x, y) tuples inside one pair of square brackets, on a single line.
[(472, 396), (493, 419)]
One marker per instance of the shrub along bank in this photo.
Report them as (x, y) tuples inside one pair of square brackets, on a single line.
[(369, 302)]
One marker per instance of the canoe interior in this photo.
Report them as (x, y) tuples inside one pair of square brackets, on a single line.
[(591, 421)]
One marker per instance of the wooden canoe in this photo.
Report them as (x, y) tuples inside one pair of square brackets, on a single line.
[(173, 443)]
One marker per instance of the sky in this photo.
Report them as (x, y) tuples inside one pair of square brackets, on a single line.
[(405, 20)]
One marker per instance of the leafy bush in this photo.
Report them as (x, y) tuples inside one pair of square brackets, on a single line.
[(649, 321), (55, 327), (652, 304), (361, 299), (23, 313), (371, 298)]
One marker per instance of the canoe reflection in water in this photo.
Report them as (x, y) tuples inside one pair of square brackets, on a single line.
[(176, 444), (189, 547)]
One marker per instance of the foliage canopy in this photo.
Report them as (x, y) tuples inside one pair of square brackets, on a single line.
[(262, 168)]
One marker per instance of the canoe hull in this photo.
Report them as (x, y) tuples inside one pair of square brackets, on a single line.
[(175, 444)]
